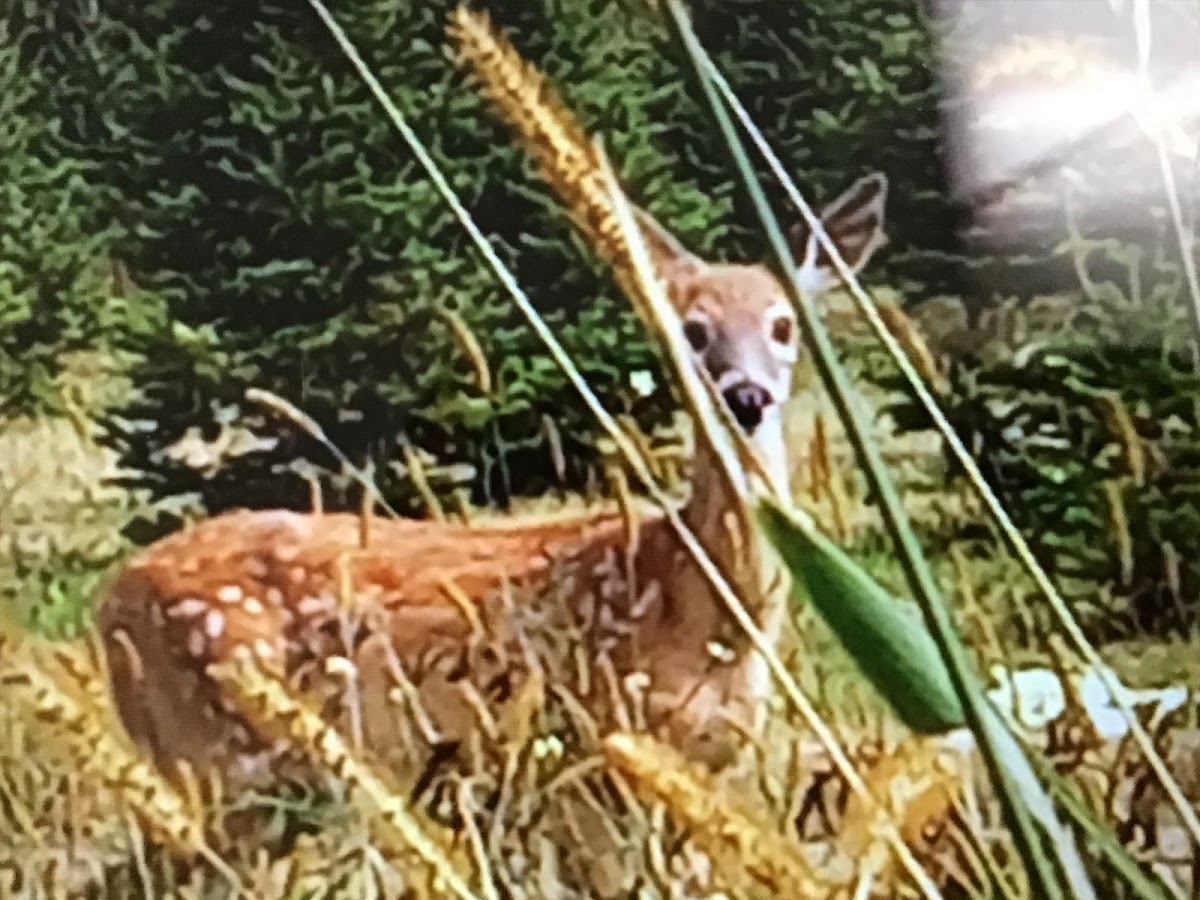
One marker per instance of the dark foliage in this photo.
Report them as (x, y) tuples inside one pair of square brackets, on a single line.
[(57, 291), (1087, 427), (250, 182)]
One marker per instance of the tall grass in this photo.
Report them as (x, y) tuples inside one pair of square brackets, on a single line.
[(1020, 817), (912, 360)]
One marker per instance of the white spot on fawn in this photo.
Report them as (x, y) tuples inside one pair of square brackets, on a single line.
[(720, 652), (187, 608), (214, 624), (339, 665), (650, 595), (196, 643), (253, 606), (607, 566), (243, 654), (314, 605), (294, 522), (612, 588), (638, 681), (240, 735), (230, 593)]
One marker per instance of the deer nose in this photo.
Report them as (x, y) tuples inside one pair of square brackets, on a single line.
[(747, 400)]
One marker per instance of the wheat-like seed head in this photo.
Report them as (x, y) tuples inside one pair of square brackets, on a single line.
[(731, 835), (549, 131), (577, 169)]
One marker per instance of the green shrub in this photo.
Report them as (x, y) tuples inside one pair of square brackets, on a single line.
[(842, 87), (58, 293), (1088, 429), (255, 187)]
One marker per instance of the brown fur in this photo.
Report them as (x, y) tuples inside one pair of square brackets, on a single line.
[(296, 590)]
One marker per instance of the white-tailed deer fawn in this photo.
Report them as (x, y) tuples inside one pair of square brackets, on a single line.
[(404, 606)]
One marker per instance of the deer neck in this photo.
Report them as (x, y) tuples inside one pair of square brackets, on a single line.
[(697, 617), (718, 513)]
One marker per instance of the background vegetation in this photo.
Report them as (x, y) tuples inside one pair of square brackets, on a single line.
[(239, 172)]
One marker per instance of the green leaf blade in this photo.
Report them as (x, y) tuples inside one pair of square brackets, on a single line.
[(888, 644)]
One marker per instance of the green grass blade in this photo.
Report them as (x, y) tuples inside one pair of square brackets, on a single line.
[(889, 644), (1043, 877), (1036, 799)]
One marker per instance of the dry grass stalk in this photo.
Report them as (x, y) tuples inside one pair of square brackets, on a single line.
[(733, 836), (1120, 531), (307, 423), (628, 507), (827, 480), (818, 458), (416, 472), (964, 586), (1119, 421), (470, 346), (468, 809), (316, 498), (92, 745), (267, 703), (908, 335), (366, 511), (558, 456)]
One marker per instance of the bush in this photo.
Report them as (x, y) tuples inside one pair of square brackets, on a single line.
[(1085, 423), (58, 295), (255, 187)]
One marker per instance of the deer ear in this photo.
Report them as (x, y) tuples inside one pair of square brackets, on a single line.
[(854, 222), (670, 257)]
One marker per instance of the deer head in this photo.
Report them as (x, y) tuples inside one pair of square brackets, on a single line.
[(737, 317)]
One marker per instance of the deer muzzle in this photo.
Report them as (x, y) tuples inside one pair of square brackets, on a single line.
[(747, 401)]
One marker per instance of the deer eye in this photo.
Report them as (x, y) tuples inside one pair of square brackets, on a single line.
[(781, 330), (696, 333)]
